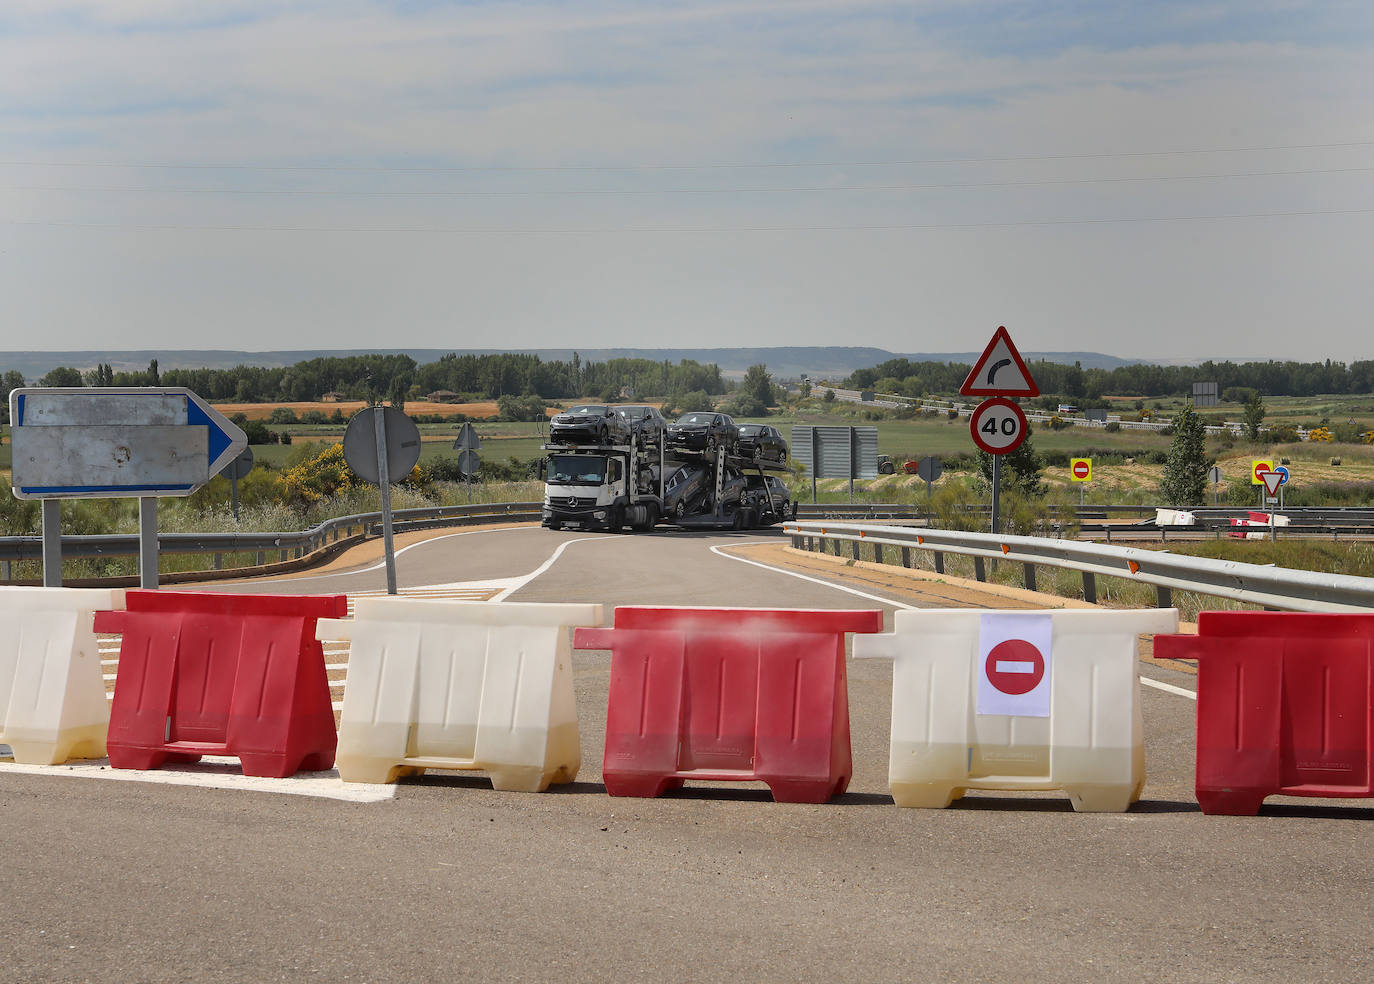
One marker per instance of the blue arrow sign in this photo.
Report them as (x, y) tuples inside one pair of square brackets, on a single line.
[(114, 442), (1283, 474)]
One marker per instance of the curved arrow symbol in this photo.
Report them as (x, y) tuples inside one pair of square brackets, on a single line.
[(995, 366)]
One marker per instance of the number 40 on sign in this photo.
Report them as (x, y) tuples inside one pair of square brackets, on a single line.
[(998, 426)]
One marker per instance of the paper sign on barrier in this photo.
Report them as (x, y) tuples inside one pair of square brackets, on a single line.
[(1015, 660)]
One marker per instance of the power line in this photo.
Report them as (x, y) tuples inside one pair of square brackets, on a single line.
[(682, 230), (642, 192), (682, 167)]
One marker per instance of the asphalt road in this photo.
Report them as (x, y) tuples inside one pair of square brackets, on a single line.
[(127, 881)]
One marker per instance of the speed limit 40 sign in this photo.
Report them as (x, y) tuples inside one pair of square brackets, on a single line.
[(998, 426)]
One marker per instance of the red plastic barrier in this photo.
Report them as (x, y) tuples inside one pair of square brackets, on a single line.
[(1285, 706), (222, 674), (728, 694)]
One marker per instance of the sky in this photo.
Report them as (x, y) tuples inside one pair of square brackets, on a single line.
[(1164, 180)]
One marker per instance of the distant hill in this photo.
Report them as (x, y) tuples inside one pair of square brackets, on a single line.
[(784, 362)]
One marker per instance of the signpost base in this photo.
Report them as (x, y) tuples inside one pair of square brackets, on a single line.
[(52, 543), (147, 543)]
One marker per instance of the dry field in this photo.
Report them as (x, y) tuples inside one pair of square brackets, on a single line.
[(261, 411)]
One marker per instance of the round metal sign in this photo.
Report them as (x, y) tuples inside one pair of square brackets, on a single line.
[(240, 466), (998, 426), (468, 462), (929, 468), (402, 439)]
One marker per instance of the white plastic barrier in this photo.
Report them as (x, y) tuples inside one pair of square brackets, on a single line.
[(1021, 700), (52, 694), (1174, 517), (459, 685)]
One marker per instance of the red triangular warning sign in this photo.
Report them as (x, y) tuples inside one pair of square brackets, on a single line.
[(1000, 372), (1272, 481)]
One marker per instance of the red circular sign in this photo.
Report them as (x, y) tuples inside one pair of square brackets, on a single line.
[(1015, 667), (998, 425), (1081, 469)]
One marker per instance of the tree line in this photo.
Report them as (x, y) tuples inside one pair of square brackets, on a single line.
[(918, 379), (396, 378)]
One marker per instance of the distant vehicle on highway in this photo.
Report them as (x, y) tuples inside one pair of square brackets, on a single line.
[(645, 422), (704, 432), (762, 443), (589, 423)]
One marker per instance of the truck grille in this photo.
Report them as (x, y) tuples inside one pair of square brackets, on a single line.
[(572, 500)]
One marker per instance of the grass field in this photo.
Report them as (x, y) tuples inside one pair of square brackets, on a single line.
[(1115, 478)]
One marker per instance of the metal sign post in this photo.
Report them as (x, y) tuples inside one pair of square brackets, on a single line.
[(996, 490), (381, 442), (384, 481), (467, 444), (1214, 476), (929, 468), (236, 469), (147, 542)]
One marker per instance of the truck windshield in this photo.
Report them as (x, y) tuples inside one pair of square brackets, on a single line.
[(576, 469)]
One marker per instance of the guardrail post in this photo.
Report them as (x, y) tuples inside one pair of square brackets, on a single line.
[(217, 562), (285, 555), (262, 557), (1109, 534), (854, 548), (1030, 577), (838, 547), (4, 570), (939, 562), (1164, 596), (979, 571), (906, 556), (1090, 587), (877, 553)]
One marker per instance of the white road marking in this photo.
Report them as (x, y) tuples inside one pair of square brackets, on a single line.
[(217, 772), (1167, 688), (510, 585), (806, 577)]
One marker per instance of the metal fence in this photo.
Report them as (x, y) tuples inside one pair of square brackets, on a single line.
[(1270, 587)]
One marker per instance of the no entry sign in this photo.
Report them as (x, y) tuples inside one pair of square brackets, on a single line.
[(1080, 469), (1014, 667)]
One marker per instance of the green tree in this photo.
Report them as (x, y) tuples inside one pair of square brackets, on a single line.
[(1254, 416), (1020, 470), (1185, 470), (62, 376)]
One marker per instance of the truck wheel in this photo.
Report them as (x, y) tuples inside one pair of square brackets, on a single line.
[(886, 468), (680, 509)]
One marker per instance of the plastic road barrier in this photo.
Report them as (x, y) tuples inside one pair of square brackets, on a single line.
[(1285, 705), (1024, 700), (460, 685), (52, 695), (222, 674), (728, 694)]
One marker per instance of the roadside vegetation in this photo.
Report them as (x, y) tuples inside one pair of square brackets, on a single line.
[(300, 478)]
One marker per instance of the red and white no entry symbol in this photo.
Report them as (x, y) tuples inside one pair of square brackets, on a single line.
[(998, 425), (1015, 667), (1081, 469)]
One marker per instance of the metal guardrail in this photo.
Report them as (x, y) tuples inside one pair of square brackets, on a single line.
[(1271, 587), (286, 545)]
